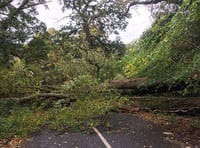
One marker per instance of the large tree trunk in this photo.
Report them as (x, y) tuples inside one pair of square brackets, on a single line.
[(128, 83), (139, 86)]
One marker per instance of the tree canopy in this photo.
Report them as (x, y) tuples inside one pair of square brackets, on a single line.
[(106, 16), (18, 23)]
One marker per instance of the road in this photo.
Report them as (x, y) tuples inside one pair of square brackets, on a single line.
[(128, 131)]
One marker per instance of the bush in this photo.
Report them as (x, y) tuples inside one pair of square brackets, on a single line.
[(18, 80)]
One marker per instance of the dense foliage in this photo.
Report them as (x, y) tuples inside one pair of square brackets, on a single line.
[(35, 61), (168, 53), (18, 22), (59, 78)]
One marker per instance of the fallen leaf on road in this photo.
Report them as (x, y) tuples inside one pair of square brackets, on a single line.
[(168, 133)]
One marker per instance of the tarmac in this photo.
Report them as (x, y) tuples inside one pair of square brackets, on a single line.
[(127, 131)]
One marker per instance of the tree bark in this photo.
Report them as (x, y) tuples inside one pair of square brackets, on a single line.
[(42, 96), (128, 83), (140, 86)]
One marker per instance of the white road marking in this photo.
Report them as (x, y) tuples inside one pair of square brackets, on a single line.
[(102, 138)]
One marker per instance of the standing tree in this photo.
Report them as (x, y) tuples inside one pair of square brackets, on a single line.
[(105, 16), (18, 23), (92, 21)]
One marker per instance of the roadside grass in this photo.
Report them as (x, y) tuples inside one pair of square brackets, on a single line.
[(20, 121)]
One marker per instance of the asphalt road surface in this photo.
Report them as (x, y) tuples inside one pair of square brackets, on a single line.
[(128, 131)]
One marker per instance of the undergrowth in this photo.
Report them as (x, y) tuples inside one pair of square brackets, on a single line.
[(79, 116)]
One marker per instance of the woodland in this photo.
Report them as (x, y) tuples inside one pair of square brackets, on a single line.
[(71, 78)]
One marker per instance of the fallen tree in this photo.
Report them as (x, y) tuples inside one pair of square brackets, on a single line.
[(141, 86), (41, 96), (128, 83)]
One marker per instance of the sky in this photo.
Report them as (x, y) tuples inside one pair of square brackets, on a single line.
[(140, 21)]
